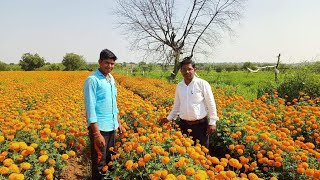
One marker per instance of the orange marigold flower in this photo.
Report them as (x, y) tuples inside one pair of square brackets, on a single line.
[(190, 171), (165, 160)]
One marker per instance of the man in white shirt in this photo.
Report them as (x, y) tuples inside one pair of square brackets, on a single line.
[(194, 104)]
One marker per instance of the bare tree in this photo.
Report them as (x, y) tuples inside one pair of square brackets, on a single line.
[(168, 28)]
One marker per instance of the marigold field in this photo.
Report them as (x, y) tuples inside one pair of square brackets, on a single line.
[(43, 126)]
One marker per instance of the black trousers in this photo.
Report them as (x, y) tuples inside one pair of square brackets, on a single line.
[(199, 131), (100, 156)]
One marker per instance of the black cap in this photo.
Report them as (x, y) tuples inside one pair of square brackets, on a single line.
[(107, 54)]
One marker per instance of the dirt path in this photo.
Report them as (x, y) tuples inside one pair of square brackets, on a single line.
[(78, 168)]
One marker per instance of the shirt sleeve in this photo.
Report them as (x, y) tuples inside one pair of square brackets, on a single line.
[(176, 106), (90, 100), (116, 92), (115, 87), (211, 104)]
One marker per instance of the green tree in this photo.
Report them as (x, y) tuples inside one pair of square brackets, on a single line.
[(249, 65), (3, 66), (30, 62), (73, 61)]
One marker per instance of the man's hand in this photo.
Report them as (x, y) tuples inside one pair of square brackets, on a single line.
[(211, 129), (120, 129), (99, 140), (164, 121)]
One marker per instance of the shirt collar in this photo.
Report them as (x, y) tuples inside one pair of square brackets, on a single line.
[(194, 79), (98, 72)]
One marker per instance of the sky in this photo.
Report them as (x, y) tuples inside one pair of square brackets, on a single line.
[(54, 28)]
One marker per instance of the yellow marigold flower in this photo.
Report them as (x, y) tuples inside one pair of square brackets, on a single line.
[(4, 170), (71, 153), (187, 144), (62, 137), (7, 162), (14, 146), (16, 176), (135, 165), (64, 156), (190, 171), (129, 164), (146, 157), (53, 135), (1, 139), (253, 176), (49, 177), (52, 161), (43, 152), (140, 149), (14, 168), (51, 169), (143, 139), (47, 131), (164, 173), (43, 158), (231, 174), (200, 176), (22, 145), (34, 145), (47, 171), (30, 149), (56, 145), (181, 177), (25, 165), (170, 177)]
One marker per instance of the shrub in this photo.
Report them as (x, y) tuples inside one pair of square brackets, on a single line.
[(298, 84), (3, 66)]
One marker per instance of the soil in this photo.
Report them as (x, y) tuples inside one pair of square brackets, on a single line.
[(78, 168)]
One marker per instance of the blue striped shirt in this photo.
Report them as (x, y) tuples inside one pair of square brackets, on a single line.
[(100, 101)]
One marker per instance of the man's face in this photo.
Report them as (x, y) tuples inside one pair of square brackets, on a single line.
[(187, 72), (106, 65)]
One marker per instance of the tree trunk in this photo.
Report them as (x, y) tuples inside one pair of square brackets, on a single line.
[(176, 65)]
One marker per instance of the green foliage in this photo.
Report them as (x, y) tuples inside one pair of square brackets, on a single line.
[(73, 62), (3, 66), (13, 67), (249, 65), (298, 83), (218, 69), (314, 67), (268, 88), (52, 67), (93, 67), (30, 62)]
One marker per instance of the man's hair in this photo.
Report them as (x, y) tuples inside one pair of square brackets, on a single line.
[(107, 54), (187, 60)]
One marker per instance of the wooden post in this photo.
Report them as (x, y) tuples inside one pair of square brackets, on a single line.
[(276, 71)]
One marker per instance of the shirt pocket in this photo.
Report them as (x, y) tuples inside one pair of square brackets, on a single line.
[(196, 96), (196, 110)]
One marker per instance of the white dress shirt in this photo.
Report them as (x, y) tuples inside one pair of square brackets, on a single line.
[(194, 101)]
